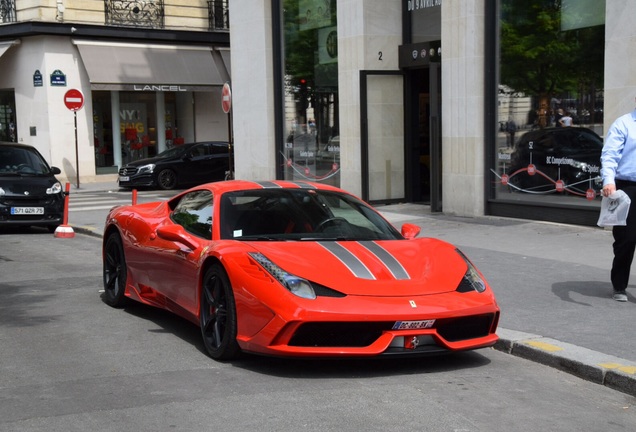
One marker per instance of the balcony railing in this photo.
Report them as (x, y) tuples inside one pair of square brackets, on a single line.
[(218, 15), (7, 11), (135, 13)]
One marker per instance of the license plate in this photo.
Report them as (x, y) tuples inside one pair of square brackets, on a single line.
[(27, 210), (413, 325), (124, 179)]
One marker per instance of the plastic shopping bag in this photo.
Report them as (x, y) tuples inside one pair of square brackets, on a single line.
[(614, 209)]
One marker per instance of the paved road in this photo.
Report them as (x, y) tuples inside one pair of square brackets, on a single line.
[(551, 281), (70, 363)]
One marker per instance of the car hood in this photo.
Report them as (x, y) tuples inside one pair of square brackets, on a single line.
[(26, 185), (374, 268)]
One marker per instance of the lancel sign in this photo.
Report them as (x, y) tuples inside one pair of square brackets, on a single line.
[(161, 88), (422, 4)]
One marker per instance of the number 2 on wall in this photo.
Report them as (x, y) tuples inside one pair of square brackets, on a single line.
[(380, 55)]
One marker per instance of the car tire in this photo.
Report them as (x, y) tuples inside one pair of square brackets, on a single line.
[(167, 179), (217, 315), (115, 271)]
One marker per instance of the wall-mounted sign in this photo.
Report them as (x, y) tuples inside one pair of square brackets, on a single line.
[(37, 79), (159, 88), (412, 5), (420, 54), (58, 78)]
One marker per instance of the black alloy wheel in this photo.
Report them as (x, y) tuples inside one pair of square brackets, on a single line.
[(167, 179), (218, 315), (115, 271)]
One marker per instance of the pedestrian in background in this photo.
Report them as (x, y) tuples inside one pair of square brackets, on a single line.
[(618, 162), (511, 128), (566, 120), (558, 117)]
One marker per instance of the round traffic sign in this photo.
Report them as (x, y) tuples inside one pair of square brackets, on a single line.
[(74, 99), (226, 98)]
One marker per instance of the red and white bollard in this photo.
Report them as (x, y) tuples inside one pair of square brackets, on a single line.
[(65, 230)]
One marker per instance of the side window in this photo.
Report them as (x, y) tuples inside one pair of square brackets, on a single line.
[(194, 213), (199, 151)]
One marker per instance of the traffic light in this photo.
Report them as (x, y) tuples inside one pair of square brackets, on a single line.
[(303, 94)]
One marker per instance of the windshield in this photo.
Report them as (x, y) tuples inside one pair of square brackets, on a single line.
[(175, 151), (21, 161), (300, 214)]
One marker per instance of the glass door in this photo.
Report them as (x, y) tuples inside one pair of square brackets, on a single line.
[(382, 136)]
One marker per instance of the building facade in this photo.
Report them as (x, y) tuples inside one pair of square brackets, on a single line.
[(455, 104), (149, 76)]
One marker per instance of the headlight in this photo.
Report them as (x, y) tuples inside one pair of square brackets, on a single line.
[(296, 285), (471, 280), (146, 169), (55, 189)]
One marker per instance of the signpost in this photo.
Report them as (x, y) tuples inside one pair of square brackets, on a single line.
[(226, 104), (226, 98), (74, 101)]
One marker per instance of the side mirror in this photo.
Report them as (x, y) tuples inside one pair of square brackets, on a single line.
[(56, 170), (410, 231), (176, 234)]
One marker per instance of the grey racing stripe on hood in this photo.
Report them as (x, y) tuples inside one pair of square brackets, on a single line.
[(352, 262), (392, 264)]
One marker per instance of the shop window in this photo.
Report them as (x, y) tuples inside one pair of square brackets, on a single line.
[(311, 150), (8, 127), (551, 68)]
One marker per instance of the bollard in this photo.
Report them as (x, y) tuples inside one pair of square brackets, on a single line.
[(65, 230), (134, 197)]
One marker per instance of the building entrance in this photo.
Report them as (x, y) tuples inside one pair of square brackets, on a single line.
[(424, 149)]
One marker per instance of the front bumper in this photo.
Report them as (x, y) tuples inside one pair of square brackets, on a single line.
[(365, 327), (52, 215), (140, 180)]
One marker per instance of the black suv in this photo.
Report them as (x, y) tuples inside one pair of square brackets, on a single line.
[(29, 192), (569, 154)]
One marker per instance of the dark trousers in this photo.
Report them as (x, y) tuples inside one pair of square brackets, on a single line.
[(624, 240)]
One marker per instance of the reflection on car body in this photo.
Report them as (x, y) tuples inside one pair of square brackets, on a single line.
[(184, 165), (30, 195), (564, 159), (296, 269)]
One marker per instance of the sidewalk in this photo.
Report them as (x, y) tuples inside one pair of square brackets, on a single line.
[(551, 281)]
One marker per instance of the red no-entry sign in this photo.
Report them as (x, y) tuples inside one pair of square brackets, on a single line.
[(226, 98), (74, 99)]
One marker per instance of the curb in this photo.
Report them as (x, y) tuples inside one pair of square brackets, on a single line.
[(88, 230), (603, 369)]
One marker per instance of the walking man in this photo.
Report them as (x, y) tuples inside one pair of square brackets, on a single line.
[(618, 161)]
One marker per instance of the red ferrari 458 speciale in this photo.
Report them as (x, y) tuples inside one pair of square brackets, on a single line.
[(295, 269)]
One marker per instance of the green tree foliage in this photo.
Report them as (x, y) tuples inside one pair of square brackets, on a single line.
[(539, 59)]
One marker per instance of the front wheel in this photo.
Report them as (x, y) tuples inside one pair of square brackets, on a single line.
[(167, 179), (115, 271), (218, 315)]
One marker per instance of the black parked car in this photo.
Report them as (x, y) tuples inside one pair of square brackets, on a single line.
[(29, 192), (569, 154), (184, 165)]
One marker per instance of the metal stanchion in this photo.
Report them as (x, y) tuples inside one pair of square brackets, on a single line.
[(65, 230)]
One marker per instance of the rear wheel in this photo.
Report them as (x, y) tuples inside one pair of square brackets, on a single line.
[(218, 315), (115, 271), (167, 179)]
